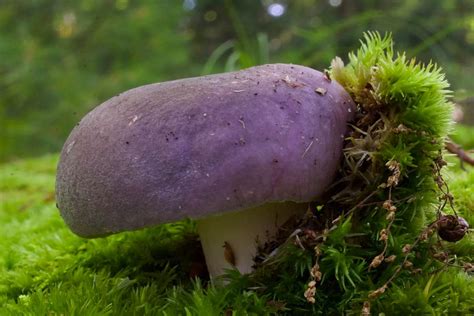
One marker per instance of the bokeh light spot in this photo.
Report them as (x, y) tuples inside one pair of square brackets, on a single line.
[(189, 4), (276, 9), (335, 3), (210, 16)]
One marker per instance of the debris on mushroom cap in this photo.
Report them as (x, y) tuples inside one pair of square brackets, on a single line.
[(195, 147), (320, 91)]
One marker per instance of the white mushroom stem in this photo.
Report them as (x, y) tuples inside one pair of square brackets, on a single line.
[(241, 231)]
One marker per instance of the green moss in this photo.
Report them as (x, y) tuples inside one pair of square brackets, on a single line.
[(463, 135), (441, 293), (393, 162)]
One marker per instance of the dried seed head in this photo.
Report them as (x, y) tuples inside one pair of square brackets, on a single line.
[(441, 162), (425, 234), (390, 259), (406, 249), (387, 204), (439, 181), (391, 208), (311, 300), (390, 216), (310, 292), (408, 264), (365, 309), (376, 261), (394, 167), (377, 292), (383, 235), (442, 256), (317, 250), (468, 267), (452, 228), (315, 273), (393, 180), (402, 129)]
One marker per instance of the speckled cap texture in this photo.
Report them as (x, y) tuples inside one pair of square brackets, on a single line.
[(202, 146)]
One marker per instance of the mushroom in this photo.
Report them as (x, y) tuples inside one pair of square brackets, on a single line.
[(239, 152)]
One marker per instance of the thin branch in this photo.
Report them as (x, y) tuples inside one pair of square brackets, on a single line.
[(458, 151)]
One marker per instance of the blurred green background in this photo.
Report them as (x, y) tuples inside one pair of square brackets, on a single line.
[(59, 59)]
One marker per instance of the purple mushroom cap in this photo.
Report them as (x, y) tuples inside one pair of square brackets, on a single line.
[(196, 147)]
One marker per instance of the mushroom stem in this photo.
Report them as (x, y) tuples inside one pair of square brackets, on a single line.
[(231, 240)]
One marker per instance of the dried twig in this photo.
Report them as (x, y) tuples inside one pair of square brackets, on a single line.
[(458, 151)]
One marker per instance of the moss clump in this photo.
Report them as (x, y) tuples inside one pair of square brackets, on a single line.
[(402, 120), (393, 166)]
